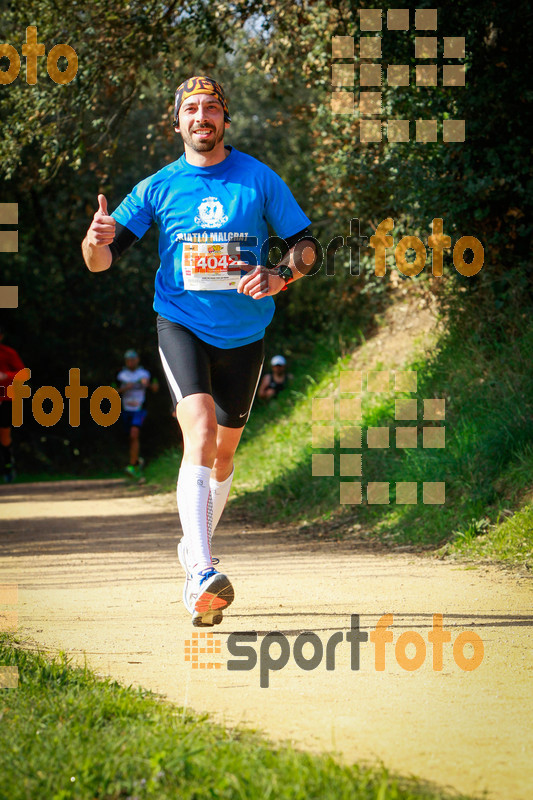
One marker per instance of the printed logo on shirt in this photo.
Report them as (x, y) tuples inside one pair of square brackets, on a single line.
[(215, 236), (211, 213)]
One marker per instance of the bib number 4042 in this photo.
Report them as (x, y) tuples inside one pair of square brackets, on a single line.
[(214, 262)]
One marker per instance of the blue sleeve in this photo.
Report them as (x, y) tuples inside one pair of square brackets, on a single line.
[(282, 211), (136, 211)]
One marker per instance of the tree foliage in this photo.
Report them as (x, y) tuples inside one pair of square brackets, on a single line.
[(481, 187), (111, 126)]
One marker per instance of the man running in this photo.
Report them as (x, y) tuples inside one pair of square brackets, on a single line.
[(212, 207)]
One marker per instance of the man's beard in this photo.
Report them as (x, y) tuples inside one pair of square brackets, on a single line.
[(204, 146)]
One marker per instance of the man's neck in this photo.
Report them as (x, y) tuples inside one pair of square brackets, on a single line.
[(209, 159)]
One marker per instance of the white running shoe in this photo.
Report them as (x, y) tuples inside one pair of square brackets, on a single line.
[(206, 593)]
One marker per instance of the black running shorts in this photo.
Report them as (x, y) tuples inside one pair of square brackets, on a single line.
[(191, 366)]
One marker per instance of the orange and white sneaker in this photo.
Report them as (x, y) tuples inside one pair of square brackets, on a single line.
[(205, 594), (210, 594)]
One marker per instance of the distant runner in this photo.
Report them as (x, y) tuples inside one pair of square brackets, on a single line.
[(133, 381), (10, 364), (212, 207)]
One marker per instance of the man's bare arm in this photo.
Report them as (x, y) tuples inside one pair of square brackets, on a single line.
[(95, 246), (300, 258), (263, 282)]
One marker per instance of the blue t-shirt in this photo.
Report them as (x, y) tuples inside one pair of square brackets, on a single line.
[(202, 212)]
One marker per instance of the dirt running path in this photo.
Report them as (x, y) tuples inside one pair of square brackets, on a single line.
[(97, 574)]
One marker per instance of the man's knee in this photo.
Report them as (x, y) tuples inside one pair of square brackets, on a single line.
[(198, 423), (227, 443), (224, 461), (204, 432), (200, 437), (134, 433)]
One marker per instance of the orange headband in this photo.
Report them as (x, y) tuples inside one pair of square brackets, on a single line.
[(200, 85)]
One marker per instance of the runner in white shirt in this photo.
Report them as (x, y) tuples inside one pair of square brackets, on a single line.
[(133, 381)]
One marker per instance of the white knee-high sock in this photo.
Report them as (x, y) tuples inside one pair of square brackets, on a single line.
[(219, 494), (196, 514)]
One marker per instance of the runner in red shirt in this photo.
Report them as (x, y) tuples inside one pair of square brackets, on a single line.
[(10, 364)]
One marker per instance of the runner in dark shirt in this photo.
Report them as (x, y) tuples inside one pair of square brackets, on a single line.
[(274, 382)]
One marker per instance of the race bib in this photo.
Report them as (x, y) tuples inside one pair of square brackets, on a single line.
[(208, 266)]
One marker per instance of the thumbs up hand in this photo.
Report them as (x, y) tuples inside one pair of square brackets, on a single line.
[(102, 229), (102, 204)]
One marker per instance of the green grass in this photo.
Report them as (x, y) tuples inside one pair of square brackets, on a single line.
[(486, 463), (484, 375), (66, 734), (162, 472), (509, 541)]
